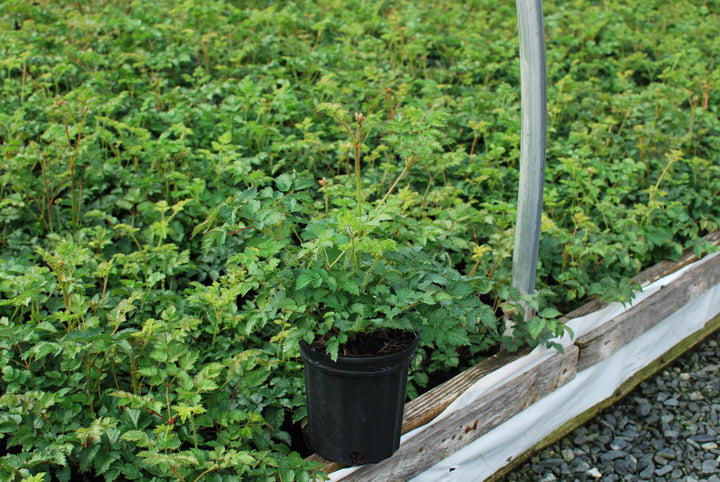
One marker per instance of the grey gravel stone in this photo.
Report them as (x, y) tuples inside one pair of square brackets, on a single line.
[(702, 438), (644, 461), (710, 466), (618, 444), (696, 396), (568, 455), (548, 478), (621, 467), (660, 460), (632, 463), (581, 466), (612, 455), (644, 408), (648, 473), (594, 473), (667, 453)]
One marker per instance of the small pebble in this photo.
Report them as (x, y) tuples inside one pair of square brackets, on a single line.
[(710, 466), (618, 444), (622, 467), (612, 455), (648, 473), (643, 409), (581, 467), (594, 473), (702, 438), (667, 453), (696, 396)]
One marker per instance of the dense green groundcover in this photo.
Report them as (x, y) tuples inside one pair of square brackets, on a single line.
[(131, 343)]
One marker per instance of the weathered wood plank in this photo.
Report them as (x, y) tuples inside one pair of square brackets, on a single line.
[(447, 436), (603, 341), (687, 344), (423, 409)]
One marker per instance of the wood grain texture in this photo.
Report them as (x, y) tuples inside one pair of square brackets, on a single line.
[(603, 341), (690, 342), (423, 409), (447, 436)]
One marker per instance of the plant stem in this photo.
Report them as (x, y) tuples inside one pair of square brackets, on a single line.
[(408, 165), (359, 119), (215, 467)]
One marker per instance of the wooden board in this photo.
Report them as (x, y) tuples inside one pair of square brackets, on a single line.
[(603, 341), (690, 342), (447, 436), (423, 409)]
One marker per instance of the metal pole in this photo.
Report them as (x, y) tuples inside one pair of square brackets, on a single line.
[(533, 86)]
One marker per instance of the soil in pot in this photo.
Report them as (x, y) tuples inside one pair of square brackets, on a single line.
[(384, 341)]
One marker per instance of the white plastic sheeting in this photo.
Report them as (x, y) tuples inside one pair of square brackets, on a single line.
[(492, 451)]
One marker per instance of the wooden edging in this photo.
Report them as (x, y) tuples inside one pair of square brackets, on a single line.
[(623, 390), (443, 438), (606, 339)]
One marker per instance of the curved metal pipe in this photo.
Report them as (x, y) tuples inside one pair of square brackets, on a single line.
[(532, 146)]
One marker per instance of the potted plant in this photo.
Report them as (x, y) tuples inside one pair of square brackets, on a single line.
[(339, 282)]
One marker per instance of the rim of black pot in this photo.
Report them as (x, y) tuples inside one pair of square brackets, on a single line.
[(315, 355)]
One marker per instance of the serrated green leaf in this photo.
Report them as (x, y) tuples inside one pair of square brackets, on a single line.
[(159, 355), (535, 326), (549, 313), (226, 138), (140, 438), (351, 286), (283, 182), (304, 279)]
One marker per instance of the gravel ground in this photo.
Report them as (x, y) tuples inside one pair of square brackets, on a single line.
[(665, 430)]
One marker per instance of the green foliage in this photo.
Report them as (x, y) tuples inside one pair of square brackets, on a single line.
[(136, 349)]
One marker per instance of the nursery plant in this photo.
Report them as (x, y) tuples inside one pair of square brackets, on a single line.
[(343, 280), (338, 272)]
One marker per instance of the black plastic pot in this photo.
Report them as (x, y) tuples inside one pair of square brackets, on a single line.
[(355, 405)]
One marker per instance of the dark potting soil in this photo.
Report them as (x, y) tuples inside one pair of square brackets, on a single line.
[(383, 341)]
